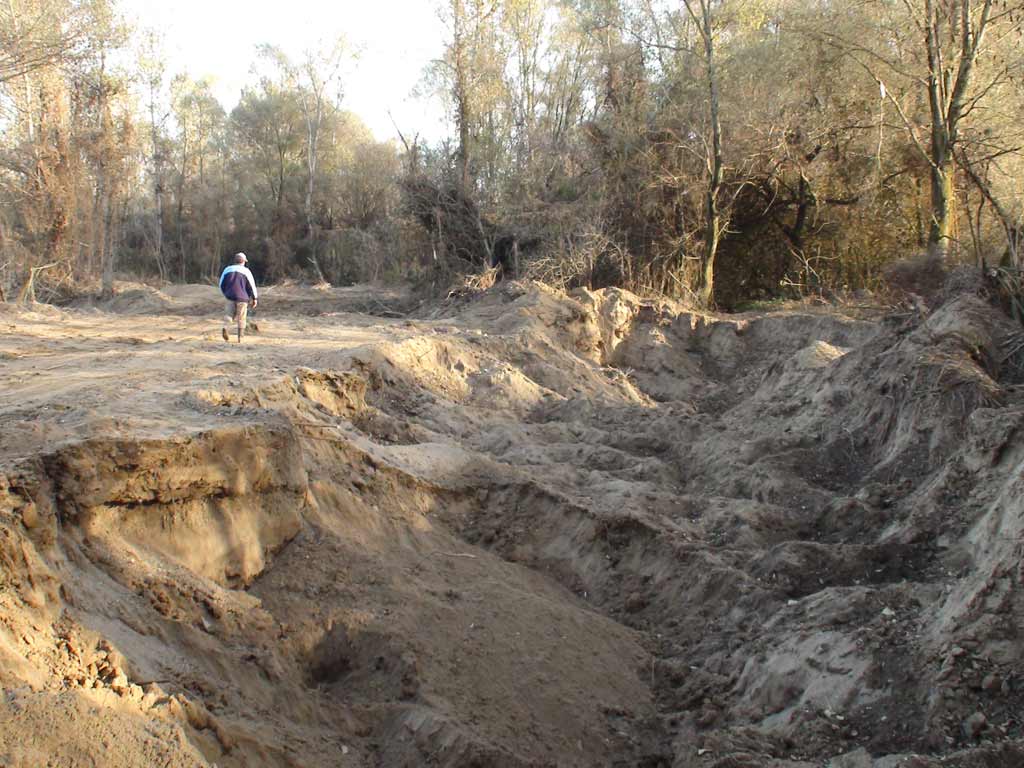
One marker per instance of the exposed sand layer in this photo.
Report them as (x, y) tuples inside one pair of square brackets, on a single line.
[(514, 529)]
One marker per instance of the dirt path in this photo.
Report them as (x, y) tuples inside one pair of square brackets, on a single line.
[(520, 529)]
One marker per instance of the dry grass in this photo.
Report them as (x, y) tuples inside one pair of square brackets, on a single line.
[(1008, 286), (478, 282)]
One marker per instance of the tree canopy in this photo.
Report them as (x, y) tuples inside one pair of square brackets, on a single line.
[(716, 150)]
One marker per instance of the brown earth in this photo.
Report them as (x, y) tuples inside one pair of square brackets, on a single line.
[(513, 529)]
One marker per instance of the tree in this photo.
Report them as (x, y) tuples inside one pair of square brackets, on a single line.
[(1011, 221), (66, 139), (108, 145), (953, 66), (713, 157), (269, 130), (712, 149), (35, 34), (153, 70), (471, 78), (953, 35), (523, 23), (198, 117), (315, 80)]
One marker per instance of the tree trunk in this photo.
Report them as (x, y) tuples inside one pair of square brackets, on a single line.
[(181, 237), (713, 223), (158, 185), (947, 97), (940, 233), (179, 224), (96, 252), (275, 229), (312, 139), (706, 294), (461, 92), (309, 206), (109, 249), (158, 233), (1011, 226)]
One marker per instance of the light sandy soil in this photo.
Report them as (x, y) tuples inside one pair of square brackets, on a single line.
[(512, 529)]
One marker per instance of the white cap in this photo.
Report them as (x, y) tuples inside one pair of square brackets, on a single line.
[(241, 258)]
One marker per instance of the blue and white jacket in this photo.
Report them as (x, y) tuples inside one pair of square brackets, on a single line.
[(237, 283)]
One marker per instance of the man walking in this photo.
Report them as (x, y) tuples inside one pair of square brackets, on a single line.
[(239, 288)]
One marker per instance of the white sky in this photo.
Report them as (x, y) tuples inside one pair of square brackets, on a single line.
[(396, 39)]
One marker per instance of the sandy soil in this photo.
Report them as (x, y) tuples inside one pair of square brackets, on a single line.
[(512, 529)]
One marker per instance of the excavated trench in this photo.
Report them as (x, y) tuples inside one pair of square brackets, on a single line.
[(546, 530)]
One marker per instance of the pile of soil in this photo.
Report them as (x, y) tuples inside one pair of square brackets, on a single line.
[(524, 528)]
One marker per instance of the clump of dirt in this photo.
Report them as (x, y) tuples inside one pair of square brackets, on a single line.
[(523, 528)]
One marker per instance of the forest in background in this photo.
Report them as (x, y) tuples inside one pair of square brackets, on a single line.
[(720, 151)]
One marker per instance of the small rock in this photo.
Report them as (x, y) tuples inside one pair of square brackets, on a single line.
[(227, 741), (974, 725), (992, 682), (635, 603), (174, 708), (860, 758), (30, 516), (707, 717), (34, 598), (888, 612), (120, 684)]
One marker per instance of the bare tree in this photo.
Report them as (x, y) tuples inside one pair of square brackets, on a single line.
[(470, 74), (152, 68), (316, 81), (1013, 226), (952, 35), (700, 12), (949, 99), (30, 40)]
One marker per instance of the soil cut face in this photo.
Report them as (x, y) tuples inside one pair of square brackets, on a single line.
[(522, 528)]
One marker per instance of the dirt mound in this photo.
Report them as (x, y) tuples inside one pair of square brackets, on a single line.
[(138, 299), (525, 529), (205, 300)]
